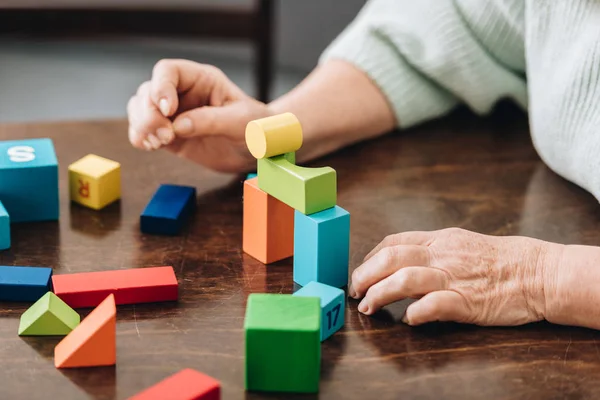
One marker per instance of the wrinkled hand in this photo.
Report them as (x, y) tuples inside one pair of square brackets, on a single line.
[(195, 111), (459, 276)]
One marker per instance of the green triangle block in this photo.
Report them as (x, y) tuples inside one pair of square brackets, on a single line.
[(49, 316)]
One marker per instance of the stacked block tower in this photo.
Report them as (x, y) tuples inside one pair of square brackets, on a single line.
[(291, 211)]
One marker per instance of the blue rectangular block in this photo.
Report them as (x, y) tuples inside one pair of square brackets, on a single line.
[(29, 180), (251, 175), (4, 228), (168, 210), (333, 302), (322, 247), (24, 283)]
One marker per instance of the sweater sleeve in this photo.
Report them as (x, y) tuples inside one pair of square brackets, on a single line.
[(428, 56)]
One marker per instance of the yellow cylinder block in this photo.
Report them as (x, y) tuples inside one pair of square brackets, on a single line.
[(272, 136)]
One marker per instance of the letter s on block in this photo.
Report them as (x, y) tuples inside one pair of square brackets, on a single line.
[(21, 153)]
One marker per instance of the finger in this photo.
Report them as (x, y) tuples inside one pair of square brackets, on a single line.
[(164, 85), (443, 305), (383, 264), (410, 282), (147, 124), (415, 238)]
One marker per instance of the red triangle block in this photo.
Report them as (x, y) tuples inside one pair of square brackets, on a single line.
[(187, 384), (93, 343)]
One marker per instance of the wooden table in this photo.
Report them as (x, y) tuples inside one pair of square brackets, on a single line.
[(477, 174)]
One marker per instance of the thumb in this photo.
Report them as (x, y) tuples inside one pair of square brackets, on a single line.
[(443, 305)]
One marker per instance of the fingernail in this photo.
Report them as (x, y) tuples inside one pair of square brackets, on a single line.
[(165, 135), (147, 145), (153, 141), (163, 105), (182, 126), (363, 307), (352, 292)]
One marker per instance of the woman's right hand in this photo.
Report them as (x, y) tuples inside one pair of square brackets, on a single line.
[(196, 112)]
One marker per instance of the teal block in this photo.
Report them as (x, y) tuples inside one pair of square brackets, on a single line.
[(4, 228), (322, 247), (29, 180), (283, 347), (308, 190), (251, 175), (333, 301)]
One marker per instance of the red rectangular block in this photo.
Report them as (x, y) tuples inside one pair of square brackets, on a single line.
[(187, 384), (130, 286)]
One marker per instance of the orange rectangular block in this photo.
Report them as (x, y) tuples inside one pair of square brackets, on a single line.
[(93, 343), (187, 384), (130, 286), (268, 225)]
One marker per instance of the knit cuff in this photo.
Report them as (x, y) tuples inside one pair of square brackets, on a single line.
[(412, 96)]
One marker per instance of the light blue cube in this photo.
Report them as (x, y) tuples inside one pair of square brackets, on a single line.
[(29, 180), (322, 247), (333, 302), (4, 228), (251, 175)]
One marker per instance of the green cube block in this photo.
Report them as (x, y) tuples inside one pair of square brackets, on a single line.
[(49, 316), (308, 190), (283, 345)]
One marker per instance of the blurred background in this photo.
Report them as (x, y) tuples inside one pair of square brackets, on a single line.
[(83, 59)]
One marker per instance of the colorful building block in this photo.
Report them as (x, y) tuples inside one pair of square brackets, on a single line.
[(283, 349), (4, 228), (130, 286), (29, 180), (268, 230), (322, 247), (308, 190), (333, 301), (24, 283), (275, 135), (95, 181), (187, 384), (251, 175), (168, 210), (49, 316), (93, 343)]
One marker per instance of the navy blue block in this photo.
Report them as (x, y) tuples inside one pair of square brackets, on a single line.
[(24, 283), (168, 210)]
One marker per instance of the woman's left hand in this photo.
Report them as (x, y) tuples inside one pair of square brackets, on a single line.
[(459, 276)]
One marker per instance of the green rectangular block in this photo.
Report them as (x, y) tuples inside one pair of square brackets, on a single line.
[(49, 316), (308, 190), (283, 345)]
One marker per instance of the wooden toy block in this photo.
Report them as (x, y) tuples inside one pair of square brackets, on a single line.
[(24, 283), (268, 229), (95, 181), (251, 175), (4, 228), (168, 210), (322, 247), (283, 349), (187, 384), (49, 316), (273, 136), (93, 343), (308, 190), (130, 286), (333, 301), (29, 180)]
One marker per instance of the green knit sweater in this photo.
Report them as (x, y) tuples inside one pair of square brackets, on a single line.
[(428, 56)]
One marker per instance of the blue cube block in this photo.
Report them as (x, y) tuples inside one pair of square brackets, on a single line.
[(168, 210), (24, 283), (322, 247), (29, 180), (333, 302), (4, 228)]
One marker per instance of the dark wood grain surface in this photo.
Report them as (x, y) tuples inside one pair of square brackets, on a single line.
[(482, 175)]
